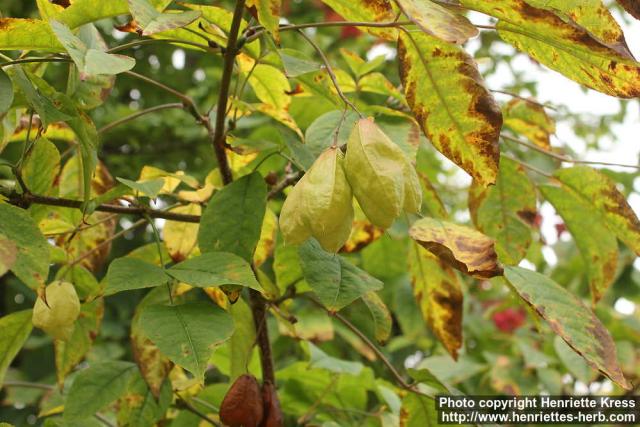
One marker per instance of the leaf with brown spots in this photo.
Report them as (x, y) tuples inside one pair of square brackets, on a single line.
[(461, 247), (268, 15), (367, 11), (439, 296), (529, 120), (180, 238), (505, 211), (438, 21), (631, 6), (454, 108), (597, 244), (592, 15), (569, 318), (563, 47), (606, 201)]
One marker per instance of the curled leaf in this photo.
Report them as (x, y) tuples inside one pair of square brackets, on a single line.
[(463, 248)]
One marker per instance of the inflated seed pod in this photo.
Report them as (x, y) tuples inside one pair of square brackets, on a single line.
[(375, 168), (242, 406), (412, 189), (57, 316), (329, 201), (320, 205)]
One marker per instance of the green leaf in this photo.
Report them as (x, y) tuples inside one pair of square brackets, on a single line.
[(46, 110), (318, 359), (570, 318), (215, 269), (448, 98), (87, 327), (367, 11), (438, 21), (418, 411), (606, 201), (150, 188), (6, 92), (129, 273), (15, 328), (563, 46), (322, 131), (151, 21), (187, 334), (295, 63), (439, 295), (506, 211), (233, 217), (461, 247), (90, 61), (243, 339), (381, 316), (96, 387), (41, 166), (32, 259), (335, 281), (597, 244)]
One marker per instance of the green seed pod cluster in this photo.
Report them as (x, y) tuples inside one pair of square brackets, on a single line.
[(375, 170), (320, 205), (57, 315), (382, 178)]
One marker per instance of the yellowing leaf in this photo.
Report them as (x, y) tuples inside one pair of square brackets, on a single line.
[(367, 11), (563, 47), (592, 15), (181, 237), (597, 245), (268, 83), (529, 120), (439, 296), (27, 34), (505, 211), (461, 247), (438, 21), (451, 103), (605, 201), (268, 15), (267, 241), (363, 233)]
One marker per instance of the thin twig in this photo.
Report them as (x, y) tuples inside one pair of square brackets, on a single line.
[(27, 384), (218, 134), (30, 60), (563, 158), (287, 181), (528, 166), (84, 227), (107, 242), (329, 70), (27, 199), (530, 101), (137, 114), (290, 27), (171, 41), (394, 372), (186, 405)]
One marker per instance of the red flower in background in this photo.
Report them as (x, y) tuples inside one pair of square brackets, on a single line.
[(509, 319)]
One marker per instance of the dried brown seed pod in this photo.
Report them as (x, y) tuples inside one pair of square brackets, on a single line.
[(242, 406)]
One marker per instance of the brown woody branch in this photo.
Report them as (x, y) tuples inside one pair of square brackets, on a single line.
[(27, 199)]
